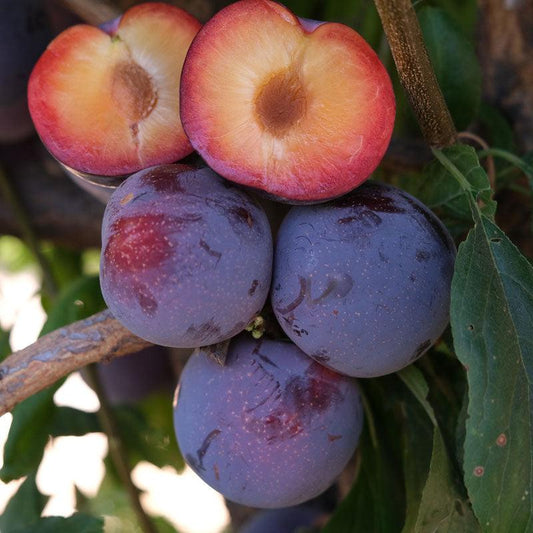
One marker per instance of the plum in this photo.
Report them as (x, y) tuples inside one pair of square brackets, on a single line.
[(272, 428), (131, 378), (362, 283), (298, 109), (186, 256), (105, 100)]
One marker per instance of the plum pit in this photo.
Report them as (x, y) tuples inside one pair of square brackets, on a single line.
[(281, 102), (132, 91)]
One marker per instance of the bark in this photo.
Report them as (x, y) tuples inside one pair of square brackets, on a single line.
[(416, 72), (97, 338), (505, 48)]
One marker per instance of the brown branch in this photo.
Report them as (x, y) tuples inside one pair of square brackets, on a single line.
[(53, 356), (94, 12), (416, 73), (58, 210)]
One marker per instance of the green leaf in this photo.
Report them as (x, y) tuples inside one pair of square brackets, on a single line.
[(415, 382), (69, 421), (491, 317), (497, 130), (417, 437), (302, 8), (76, 301), (441, 508), (455, 64), (5, 346), (443, 191), (28, 435), (65, 264), (113, 502), (464, 13), (435, 502), (376, 501), (77, 523), (90, 259), (14, 254), (159, 435), (148, 432), (360, 15), (36, 418), (24, 507)]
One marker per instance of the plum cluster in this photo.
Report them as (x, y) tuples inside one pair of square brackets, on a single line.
[(358, 276), (359, 284)]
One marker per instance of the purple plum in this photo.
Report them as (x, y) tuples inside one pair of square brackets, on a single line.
[(186, 256), (272, 428), (362, 283)]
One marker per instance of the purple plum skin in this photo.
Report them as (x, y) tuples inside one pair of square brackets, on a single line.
[(362, 283), (287, 520), (131, 378), (186, 257), (272, 428)]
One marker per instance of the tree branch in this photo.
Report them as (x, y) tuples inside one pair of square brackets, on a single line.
[(53, 356), (94, 12), (58, 210), (416, 73)]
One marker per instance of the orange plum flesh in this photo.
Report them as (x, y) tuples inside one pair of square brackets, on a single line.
[(299, 109), (108, 103)]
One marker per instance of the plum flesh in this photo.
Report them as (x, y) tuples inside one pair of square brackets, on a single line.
[(362, 283), (272, 428)]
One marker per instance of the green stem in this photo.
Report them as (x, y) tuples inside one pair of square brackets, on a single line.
[(27, 233), (117, 450), (511, 158), (453, 170)]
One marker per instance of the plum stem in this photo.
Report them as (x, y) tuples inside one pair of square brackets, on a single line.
[(53, 356), (416, 72), (117, 450), (28, 234), (217, 352)]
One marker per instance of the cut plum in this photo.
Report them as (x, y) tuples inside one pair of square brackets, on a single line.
[(301, 110), (108, 103)]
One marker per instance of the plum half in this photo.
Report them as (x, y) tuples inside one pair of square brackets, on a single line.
[(299, 109), (106, 100)]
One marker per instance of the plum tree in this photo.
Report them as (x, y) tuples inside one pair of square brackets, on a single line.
[(272, 428), (362, 283)]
